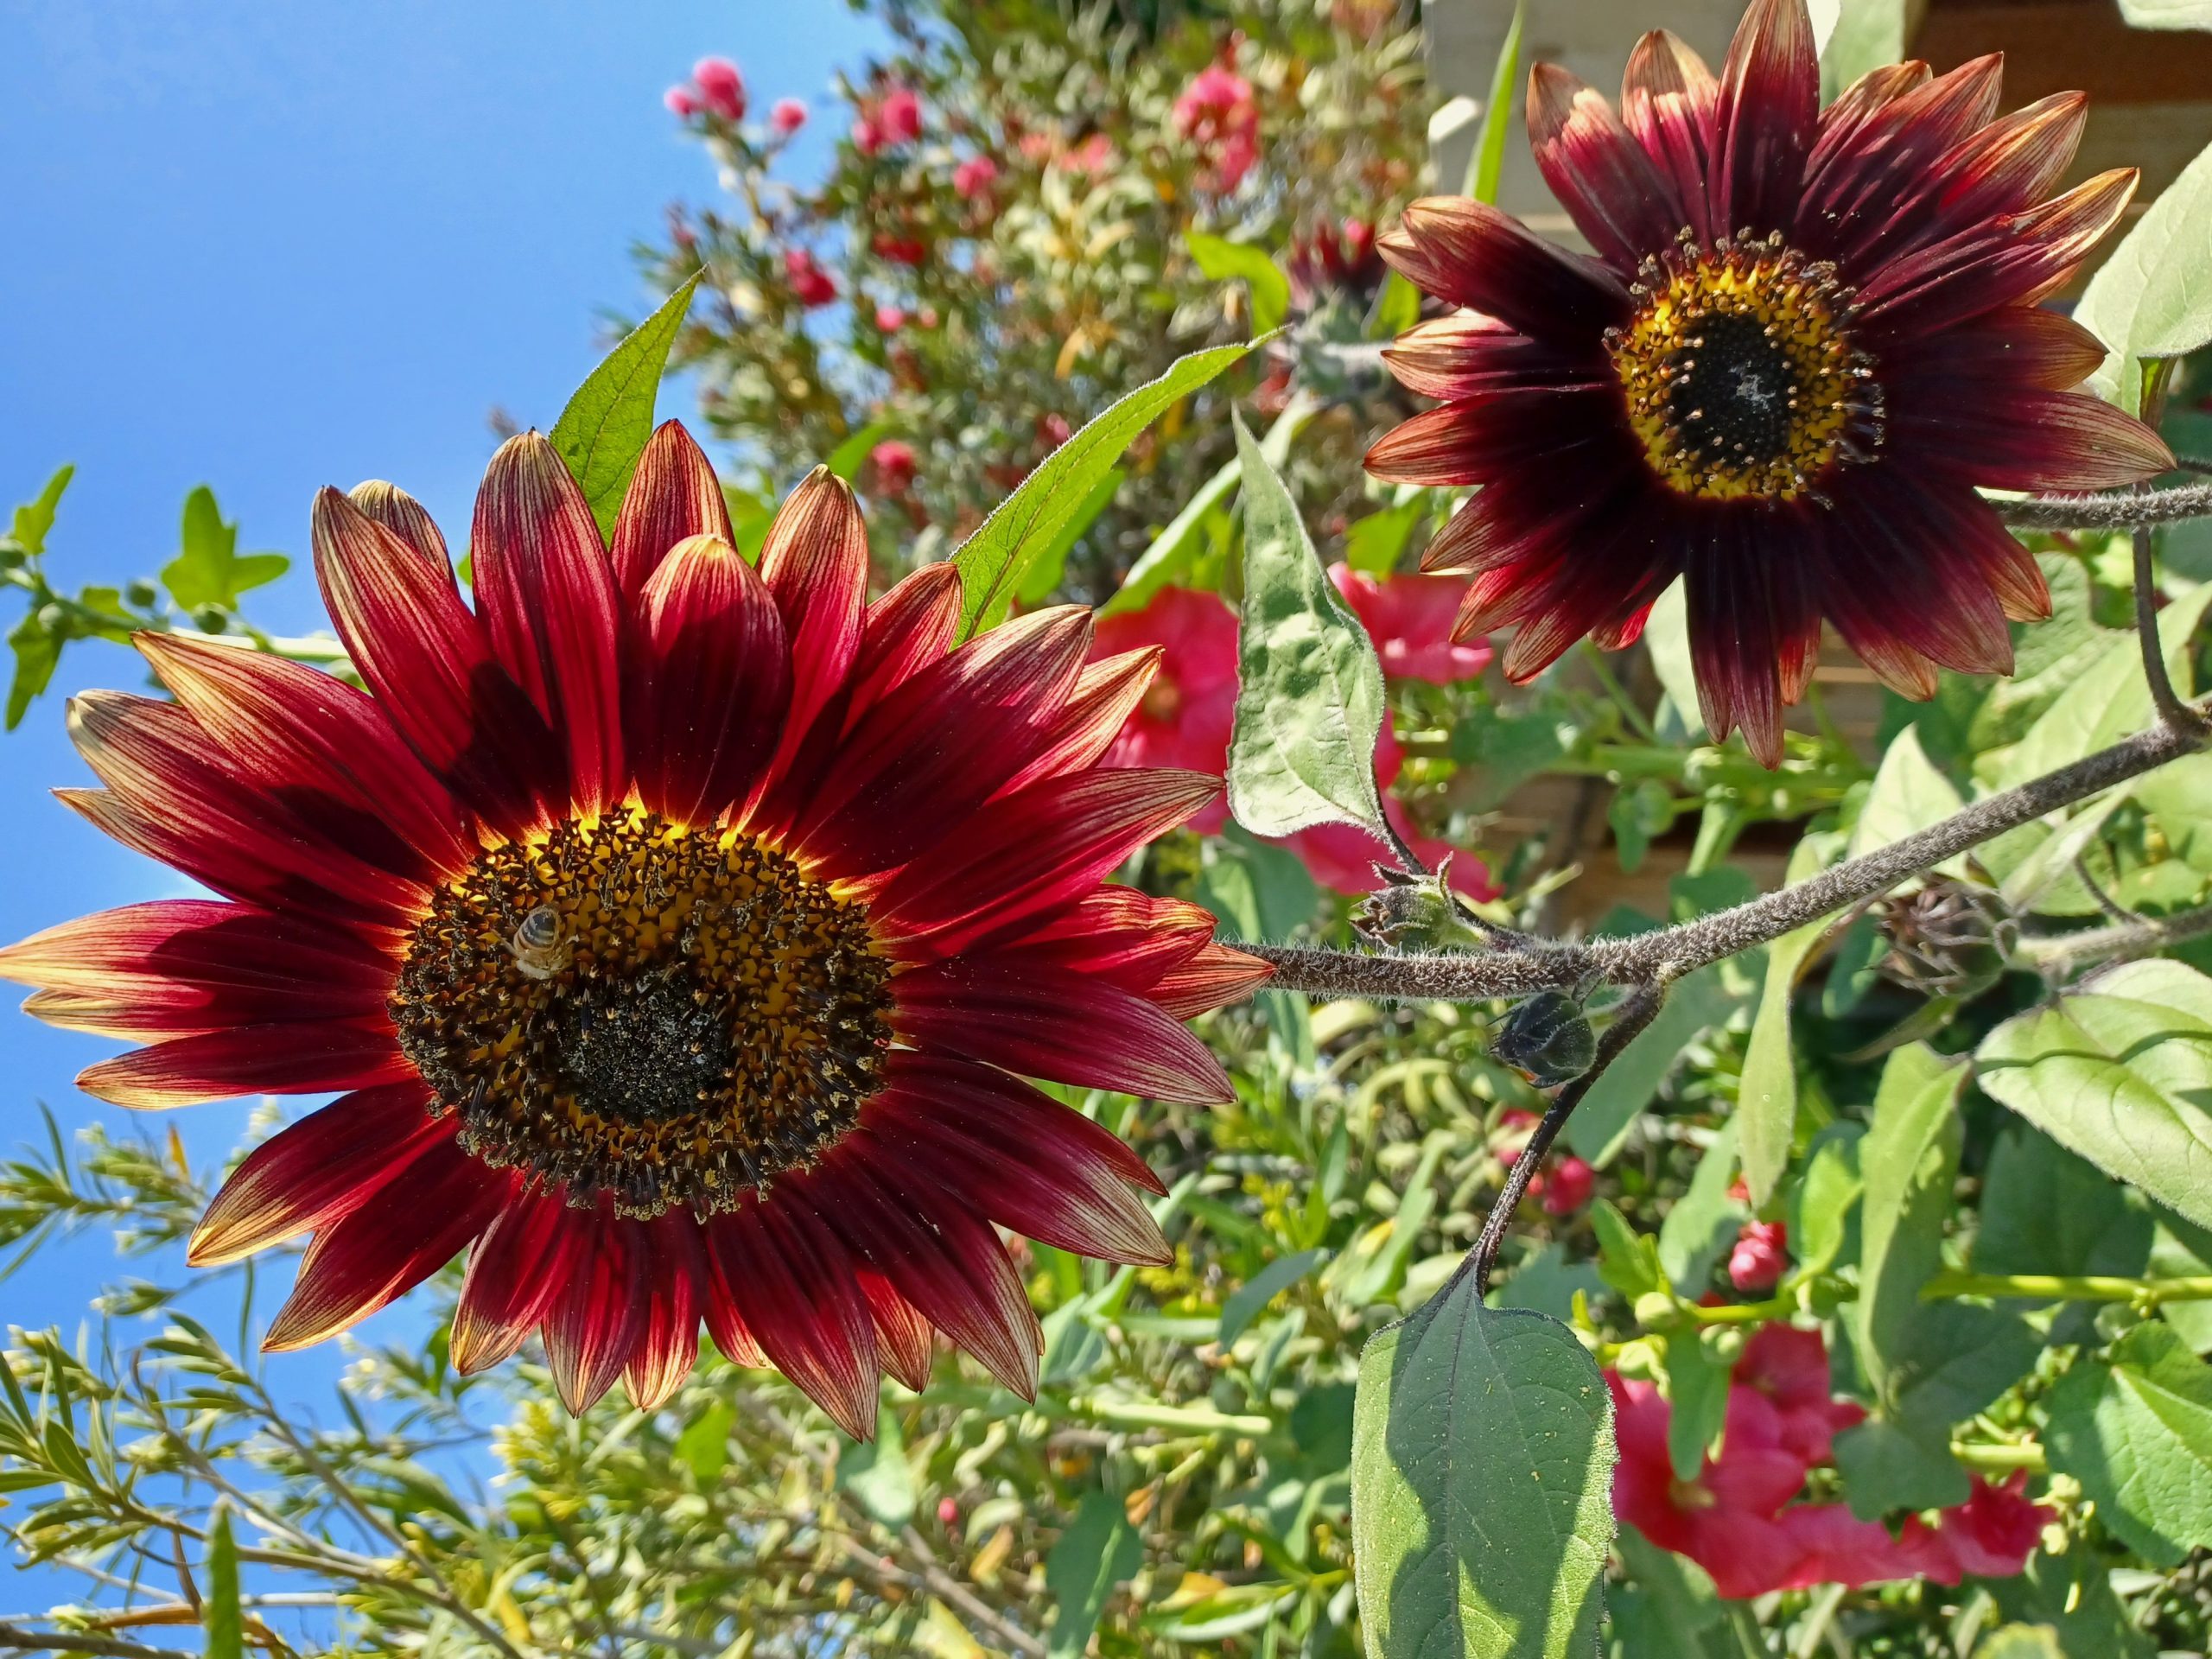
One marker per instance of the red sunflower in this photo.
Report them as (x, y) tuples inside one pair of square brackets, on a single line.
[(680, 934), (1807, 337)]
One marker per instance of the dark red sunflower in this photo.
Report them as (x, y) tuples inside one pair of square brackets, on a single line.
[(1807, 337), (682, 935)]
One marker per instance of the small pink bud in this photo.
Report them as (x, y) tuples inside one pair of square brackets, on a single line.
[(900, 114), (680, 102), (948, 1512), (1056, 429), (1569, 1188), (890, 319), (788, 117), (1760, 1258), (723, 87)]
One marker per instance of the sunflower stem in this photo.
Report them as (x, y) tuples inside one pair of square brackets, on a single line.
[(2120, 509), (1517, 970), (2172, 710)]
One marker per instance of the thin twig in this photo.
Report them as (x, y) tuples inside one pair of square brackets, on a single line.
[(14, 1638), (947, 1588), (2136, 938), (2111, 907), (1633, 1016), (2120, 509)]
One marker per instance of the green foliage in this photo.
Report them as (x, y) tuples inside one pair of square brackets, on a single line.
[(1226, 261), (1309, 703), (1482, 1454), (209, 570), (994, 562), (220, 1613), (2148, 300), (1094, 1556), (1488, 159), (2137, 1432), (608, 421)]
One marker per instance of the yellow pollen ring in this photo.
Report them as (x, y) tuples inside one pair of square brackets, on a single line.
[(1739, 376)]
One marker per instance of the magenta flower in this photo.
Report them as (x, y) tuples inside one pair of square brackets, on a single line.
[(892, 464), (723, 87), (1216, 111), (899, 115), (974, 177), (1409, 619), (788, 116), (1760, 1258), (680, 102), (811, 285)]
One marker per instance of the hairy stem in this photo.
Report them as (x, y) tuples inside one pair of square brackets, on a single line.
[(2135, 938), (2172, 711), (1671, 952), (2119, 511)]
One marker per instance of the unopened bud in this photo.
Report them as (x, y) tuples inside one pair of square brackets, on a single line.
[(1548, 1037), (1949, 939)]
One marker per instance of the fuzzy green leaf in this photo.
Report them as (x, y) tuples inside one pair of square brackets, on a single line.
[(993, 561), (1309, 699), (1481, 1470), (1240, 262), (609, 419), (2138, 1435), (2119, 1070)]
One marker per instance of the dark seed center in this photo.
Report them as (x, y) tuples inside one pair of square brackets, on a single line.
[(1734, 390), (643, 1052)]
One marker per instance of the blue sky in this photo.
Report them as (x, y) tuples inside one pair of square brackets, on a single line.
[(267, 247)]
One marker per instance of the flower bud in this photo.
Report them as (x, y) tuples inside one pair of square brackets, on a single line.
[(1548, 1037), (1760, 1258), (721, 85), (1949, 939), (1567, 1186), (788, 116)]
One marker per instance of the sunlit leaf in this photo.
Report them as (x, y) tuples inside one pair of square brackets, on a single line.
[(609, 419), (1240, 262), (2151, 297)]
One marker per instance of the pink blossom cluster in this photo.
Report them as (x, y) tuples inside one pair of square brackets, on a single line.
[(1217, 113), (1741, 1518), (893, 117), (715, 88)]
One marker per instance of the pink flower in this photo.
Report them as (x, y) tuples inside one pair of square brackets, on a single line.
[(1724, 1519), (1054, 429), (867, 136), (1185, 718), (1217, 112), (811, 285), (1094, 156), (899, 114), (1790, 1368), (723, 87), (899, 250), (948, 1512), (1760, 1258), (1568, 1186), (1409, 619), (1991, 1535), (974, 177), (890, 319), (788, 116), (680, 102), (893, 464)]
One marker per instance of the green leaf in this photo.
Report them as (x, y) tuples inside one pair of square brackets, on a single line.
[(1176, 549), (2149, 299), (2020, 1641), (1373, 543), (1668, 1608), (1886, 1468), (609, 419), (878, 1475), (1546, 1282), (1627, 1260), (1249, 1298), (846, 461), (1825, 1196), (2138, 1435), (2179, 796), (2045, 1210), (1309, 698), (1951, 1359), (1908, 1158), (218, 1607), (2073, 1594), (2109, 699), (1487, 159), (1099, 1551), (1704, 1221), (1868, 33), (2167, 14), (1907, 796), (704, 1446), (1240, 262), (208, 571), (1766, 1108), (37, 654), (2119, 1070), (1666, 637), (1481, 1468), (34, 518), (1052, 563), (993, 561), (1697, 1388)]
